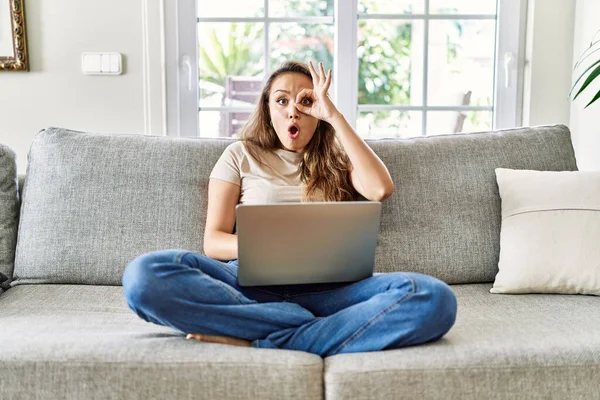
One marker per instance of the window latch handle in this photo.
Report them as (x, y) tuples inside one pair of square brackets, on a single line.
[(187, 63), (508, 60)]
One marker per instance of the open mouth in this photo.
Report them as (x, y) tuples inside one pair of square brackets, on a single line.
[(293, 132)]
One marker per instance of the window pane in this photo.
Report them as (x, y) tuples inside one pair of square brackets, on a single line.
[(224, 123), (302, 42), (445, 122), (231, 8), (300, 8), (231, 60), (209, 122), (390, 62), (461, 62), (389, 124), (462, 7), (391, 7)]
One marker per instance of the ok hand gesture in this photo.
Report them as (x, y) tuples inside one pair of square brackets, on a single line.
[(316, 102)]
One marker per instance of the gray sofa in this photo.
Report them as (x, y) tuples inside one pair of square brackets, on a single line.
[(92, 202)]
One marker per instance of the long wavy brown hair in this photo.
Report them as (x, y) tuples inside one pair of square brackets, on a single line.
[(325, 166)]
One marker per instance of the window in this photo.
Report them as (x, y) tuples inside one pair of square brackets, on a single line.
[(406, 67), (240, 42)]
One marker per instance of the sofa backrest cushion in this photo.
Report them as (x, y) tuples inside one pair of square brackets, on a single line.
[(92, 202), (444, 217), (9, 214)]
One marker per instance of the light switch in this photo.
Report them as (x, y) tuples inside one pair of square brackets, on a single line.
[(101, 63), (105, 67), (90, 63), (115, 63)]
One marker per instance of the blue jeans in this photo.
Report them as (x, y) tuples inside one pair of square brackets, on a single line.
[(192, 293)]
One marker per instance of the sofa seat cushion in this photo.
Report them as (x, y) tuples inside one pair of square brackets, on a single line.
[(534, 346), (83, 342)]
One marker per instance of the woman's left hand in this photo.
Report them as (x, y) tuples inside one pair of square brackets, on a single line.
[(316, 102)]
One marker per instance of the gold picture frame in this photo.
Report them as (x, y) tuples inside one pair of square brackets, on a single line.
[(20, 59)]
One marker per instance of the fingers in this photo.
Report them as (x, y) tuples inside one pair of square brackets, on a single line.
[(304, 93), (322, 74), (320, 79), (314, 74), (303, 109), (328, 81)]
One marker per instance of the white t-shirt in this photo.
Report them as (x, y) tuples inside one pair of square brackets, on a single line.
[(278, 182)]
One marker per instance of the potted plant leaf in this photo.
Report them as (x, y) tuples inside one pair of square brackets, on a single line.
[(594, 67)]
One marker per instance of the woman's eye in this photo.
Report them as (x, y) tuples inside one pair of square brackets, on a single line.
[(306, 101), (281, 101)]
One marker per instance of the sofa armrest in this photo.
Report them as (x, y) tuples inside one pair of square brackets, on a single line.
[(21, 182), (4, 283)]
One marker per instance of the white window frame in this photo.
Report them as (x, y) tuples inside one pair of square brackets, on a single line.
[(181, 68), (182, 71), (510, 64)]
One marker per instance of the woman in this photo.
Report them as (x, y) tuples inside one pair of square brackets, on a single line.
[(296, 147)]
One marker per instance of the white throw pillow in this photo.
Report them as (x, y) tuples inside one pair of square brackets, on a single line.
[(550, 234)]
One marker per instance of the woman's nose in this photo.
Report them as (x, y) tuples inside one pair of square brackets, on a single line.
[(293, 112)]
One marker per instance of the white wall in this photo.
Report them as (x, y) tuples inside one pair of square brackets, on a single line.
[(548, 62), (585, 123), (56, 93)]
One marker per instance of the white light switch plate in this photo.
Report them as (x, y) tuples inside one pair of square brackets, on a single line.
[(101, 63)]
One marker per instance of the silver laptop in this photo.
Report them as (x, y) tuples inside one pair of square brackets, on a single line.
[(297, 243)]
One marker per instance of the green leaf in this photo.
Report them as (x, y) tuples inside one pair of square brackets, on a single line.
[(209, 66), (220, 60), (232, 51), (582, 75), (593, 42), (596, 97), (583, 58), (589, 80)]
